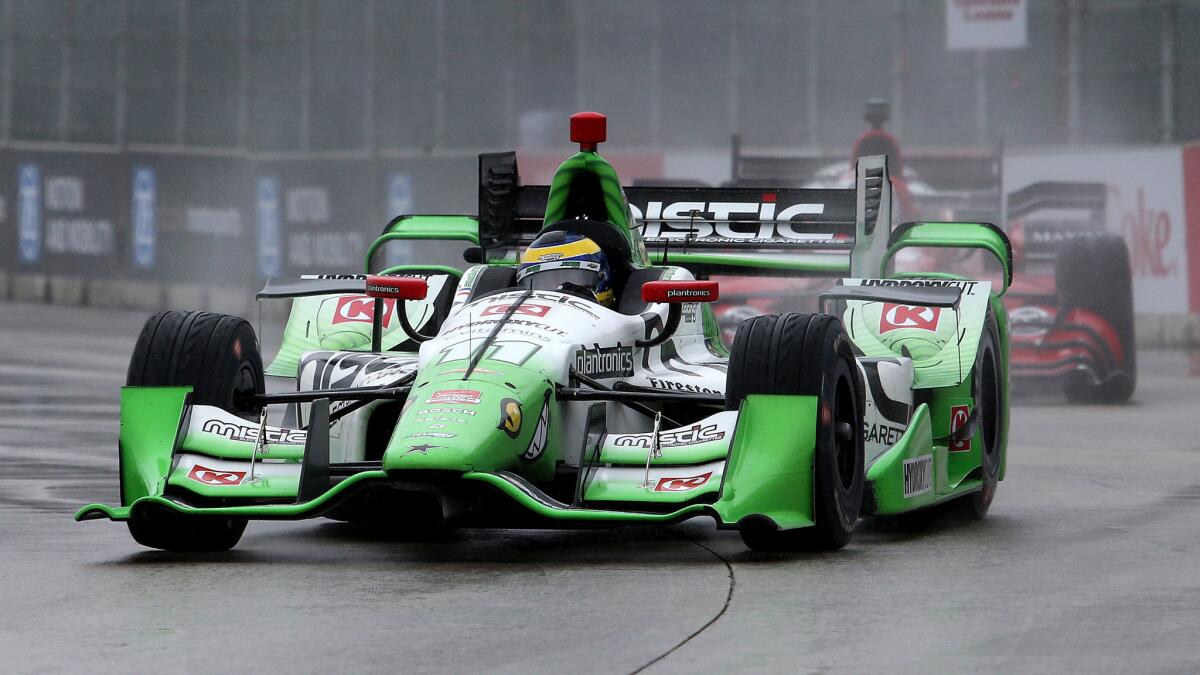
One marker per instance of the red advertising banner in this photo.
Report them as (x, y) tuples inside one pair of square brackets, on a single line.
[(1191, 191)]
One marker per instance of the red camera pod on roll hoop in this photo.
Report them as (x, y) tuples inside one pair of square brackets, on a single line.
[(394, 288), (588, 129), (674, 294), (681, 291)]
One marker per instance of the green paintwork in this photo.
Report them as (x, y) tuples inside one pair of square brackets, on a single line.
[(786, 264), (595, 515), (150, 420), (949, 364), (262, 487), (684, 454), (770, 469), (307, 509), (477, 442), (216, 445), (635, 490), (956, 235), (450, 228), (616, 207), (444, 269)]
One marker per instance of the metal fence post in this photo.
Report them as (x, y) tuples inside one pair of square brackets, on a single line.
[(181, 74), (439, 74), (1167, 63), (1074, 47), (8, 75), (899, 66), (64, 74), (306, 84), (243, 111), (121, 100), (813, 83), (981, 111), (369, 80)]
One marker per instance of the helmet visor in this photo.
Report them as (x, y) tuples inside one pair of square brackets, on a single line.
[(548, 280)]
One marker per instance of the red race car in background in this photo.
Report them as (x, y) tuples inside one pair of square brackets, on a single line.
[(1070, 306)]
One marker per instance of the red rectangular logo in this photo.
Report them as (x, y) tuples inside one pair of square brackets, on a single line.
[(525, 309), (959, 415), (203, 474), (908, 316), (459, 396), (361, 309), (682, 484)]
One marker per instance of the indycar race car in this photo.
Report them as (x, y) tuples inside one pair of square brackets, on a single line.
[(426, 396), (1071, 307)]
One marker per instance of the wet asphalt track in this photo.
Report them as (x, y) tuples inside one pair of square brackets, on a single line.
[(1090, 561)]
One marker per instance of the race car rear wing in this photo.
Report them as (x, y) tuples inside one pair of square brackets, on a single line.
[(838, 224), (1053, 213)]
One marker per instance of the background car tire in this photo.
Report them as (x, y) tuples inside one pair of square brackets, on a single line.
[(807, 354), (989, 395), (218, 356), (1093, 273)]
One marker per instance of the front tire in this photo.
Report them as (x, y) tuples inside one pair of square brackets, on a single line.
[(218, 356), (807, 355)]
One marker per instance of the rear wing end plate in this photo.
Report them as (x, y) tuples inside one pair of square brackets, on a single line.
[(985, 236)]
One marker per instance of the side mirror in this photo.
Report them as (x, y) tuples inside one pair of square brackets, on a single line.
[(675, 293), (680, 291), (396, 288)]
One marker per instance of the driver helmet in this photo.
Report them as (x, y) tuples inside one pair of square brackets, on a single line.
[(558, 258)]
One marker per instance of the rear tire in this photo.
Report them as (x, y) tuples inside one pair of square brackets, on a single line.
[(989, 395), (810, 355), (1093, 273), (218, 356)]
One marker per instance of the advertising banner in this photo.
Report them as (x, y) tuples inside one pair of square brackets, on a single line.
[(1145, 206), (986, 24), (190, 219), (1191, 186), (314, 216), (70, 211)]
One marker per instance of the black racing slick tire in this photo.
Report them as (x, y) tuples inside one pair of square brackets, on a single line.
[(989, 392), (215, 354), (809, 355), (218, 356), (164, 529), (1094, 274)]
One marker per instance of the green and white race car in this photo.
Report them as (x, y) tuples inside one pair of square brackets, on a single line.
[(425, 396)]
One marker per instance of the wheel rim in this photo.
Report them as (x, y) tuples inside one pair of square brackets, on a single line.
[(845, 446), (245, 384), (990, 403)]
